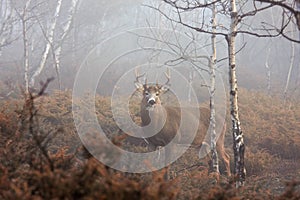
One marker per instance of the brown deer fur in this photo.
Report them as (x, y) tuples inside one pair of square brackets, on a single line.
[(151, 107)]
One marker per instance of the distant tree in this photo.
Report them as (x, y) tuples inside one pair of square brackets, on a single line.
[(8, 20), (49, 36), (52, 43), (24, 16), (38, 20), (290, 11), (268, 68), (292, 58), (289, 8)]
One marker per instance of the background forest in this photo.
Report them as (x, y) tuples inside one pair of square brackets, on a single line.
[(43, 46)]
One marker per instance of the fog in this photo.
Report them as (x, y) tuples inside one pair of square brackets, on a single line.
[(123, 69), (115, 37)]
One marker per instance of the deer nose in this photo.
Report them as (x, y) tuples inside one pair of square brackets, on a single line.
[(151, 101)]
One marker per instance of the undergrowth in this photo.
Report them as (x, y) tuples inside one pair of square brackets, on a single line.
[(41, 156)]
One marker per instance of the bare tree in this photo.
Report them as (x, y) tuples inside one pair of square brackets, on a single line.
[(194, 58), (182, 54), (35, 23), (290, 70), (7, 21), (66, 30), (24, 18), (55, 44), (238, 137), (268, 67), (49, 37), (229, 29), (213, 60), (289, 7), (230, 37)]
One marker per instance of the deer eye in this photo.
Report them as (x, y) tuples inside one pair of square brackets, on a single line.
[(146, 93), (157, 93)]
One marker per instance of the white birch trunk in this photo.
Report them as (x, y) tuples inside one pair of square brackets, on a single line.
[(290, 68), (268, 67), (268, 72), (49, 44), (214, 153), (25, 47), (25, 55), (66, 30), (238, 138)]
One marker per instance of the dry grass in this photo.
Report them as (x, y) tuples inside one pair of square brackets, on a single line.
[(48, 162)]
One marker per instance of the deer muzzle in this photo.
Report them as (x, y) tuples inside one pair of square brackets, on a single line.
[(151, 101)]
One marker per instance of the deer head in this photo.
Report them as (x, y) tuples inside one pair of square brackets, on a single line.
[(151, 92)]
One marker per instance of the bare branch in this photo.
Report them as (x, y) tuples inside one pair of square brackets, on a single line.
[(180, 21), (190, 6), (291, 8), (255, 11)]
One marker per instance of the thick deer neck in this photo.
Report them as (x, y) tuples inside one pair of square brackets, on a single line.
[(155, 116)]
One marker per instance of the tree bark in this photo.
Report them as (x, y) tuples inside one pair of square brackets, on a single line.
[(214, 153), (25, 47), (290, 69), (49, 44), (238, 138), (268, 72), (66, 30)]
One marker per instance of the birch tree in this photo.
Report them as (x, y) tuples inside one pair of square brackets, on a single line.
[(194, 59), (291, 11), (66, 29), (49, 36), (24, 18), (230, 37), (290, 70), (55, 44), (238, 138), (181, 55), (229, 30), (213, 60), (268, 67)]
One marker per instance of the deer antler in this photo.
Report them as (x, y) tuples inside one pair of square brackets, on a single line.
[(168, 76), (138, 76)]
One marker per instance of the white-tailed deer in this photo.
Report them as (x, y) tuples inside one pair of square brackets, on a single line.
[(152, 111)]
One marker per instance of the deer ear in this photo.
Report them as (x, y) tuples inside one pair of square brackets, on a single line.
[(139, 86), (164, 88)]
